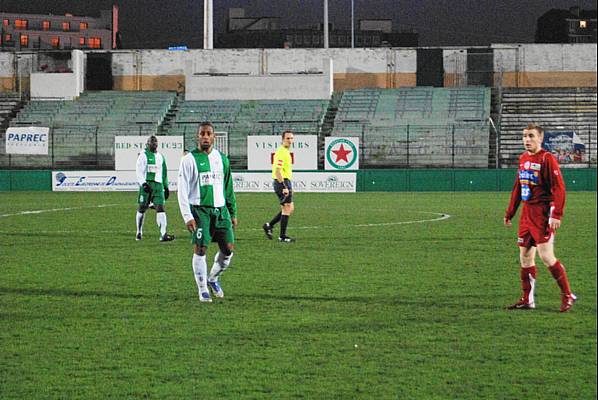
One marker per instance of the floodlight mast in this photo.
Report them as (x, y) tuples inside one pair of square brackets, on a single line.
[(208, 24), (352, 24), (325, 24)]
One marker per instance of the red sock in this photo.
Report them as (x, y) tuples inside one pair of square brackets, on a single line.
[(528, 282), (560, 275)]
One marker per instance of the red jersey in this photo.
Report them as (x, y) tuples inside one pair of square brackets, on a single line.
[(539, 181)]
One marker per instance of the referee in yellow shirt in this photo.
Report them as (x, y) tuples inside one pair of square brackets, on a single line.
[(282, 172)]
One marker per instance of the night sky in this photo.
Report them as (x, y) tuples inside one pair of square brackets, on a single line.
[(163, 23)]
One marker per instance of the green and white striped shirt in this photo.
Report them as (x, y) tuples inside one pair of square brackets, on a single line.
[(205, 180), (151, 167)]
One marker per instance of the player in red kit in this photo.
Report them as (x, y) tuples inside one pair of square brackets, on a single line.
[(539, 185)]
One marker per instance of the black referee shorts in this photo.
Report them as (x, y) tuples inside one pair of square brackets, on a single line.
[(278, 190)]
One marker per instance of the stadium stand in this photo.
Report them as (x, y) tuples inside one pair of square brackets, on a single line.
[(559, 109), (242, 118), (82, 131), (405, 127), (10, 103), (419, 126)]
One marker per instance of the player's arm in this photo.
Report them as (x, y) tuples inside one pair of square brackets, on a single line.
[(229, 192), (165, 179), (557, 188), (140, 171), (183, 183), (279, 178), (278, 172), (514, 201)]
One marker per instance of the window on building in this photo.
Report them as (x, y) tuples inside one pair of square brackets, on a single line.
[(83, 26), (572, 26), (94, 43), (583, 24), (81, 41), (55, 41), (21, 23), (46, 25), (5, 22), (7, 37), (24, 41), (66, 26)]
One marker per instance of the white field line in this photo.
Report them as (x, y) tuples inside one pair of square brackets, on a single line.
[(440, 217), (30, 212)]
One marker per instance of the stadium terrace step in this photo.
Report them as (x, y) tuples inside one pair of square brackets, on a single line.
[(561, 109), (402, 117), (105, 113)]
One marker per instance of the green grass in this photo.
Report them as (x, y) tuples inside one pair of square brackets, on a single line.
[(349, 311)]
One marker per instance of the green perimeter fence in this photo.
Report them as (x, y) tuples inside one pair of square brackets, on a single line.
[(373, 180)]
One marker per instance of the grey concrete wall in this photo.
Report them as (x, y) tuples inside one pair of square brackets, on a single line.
[(262, 61), (541, 64), (270, 86), (508, 57), (266, 87), (6, 64), (545, 57)]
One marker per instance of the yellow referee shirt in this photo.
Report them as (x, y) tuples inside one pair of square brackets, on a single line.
[(282, 159)]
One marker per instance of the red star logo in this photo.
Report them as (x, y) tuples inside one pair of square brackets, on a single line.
[(341, 154)]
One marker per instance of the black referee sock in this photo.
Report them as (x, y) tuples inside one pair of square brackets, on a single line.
[(284, 220), (275, 219)]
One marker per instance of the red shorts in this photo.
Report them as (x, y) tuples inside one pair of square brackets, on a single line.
[(533, 225)]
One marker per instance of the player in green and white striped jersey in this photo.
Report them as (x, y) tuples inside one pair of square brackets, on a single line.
[(152, 176), (209, 209)]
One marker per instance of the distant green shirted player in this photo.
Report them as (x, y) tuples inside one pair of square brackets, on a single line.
[(209, 209), (153, 187)]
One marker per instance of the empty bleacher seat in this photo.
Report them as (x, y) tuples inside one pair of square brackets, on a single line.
[(101, 114), (418, 126), (561, 109)]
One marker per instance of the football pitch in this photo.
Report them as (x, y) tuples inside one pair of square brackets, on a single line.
[(384, 295)]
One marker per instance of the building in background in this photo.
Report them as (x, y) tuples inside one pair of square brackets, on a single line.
[(266, 32), (22, 32), (567, 26)]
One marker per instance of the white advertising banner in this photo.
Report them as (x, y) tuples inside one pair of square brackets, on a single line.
[(341, 153), (127, 149), (101, 181), (27, 140), (261, 149), (302, 182), (123, 181)]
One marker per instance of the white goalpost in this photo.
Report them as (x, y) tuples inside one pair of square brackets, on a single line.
[(221, 142)]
